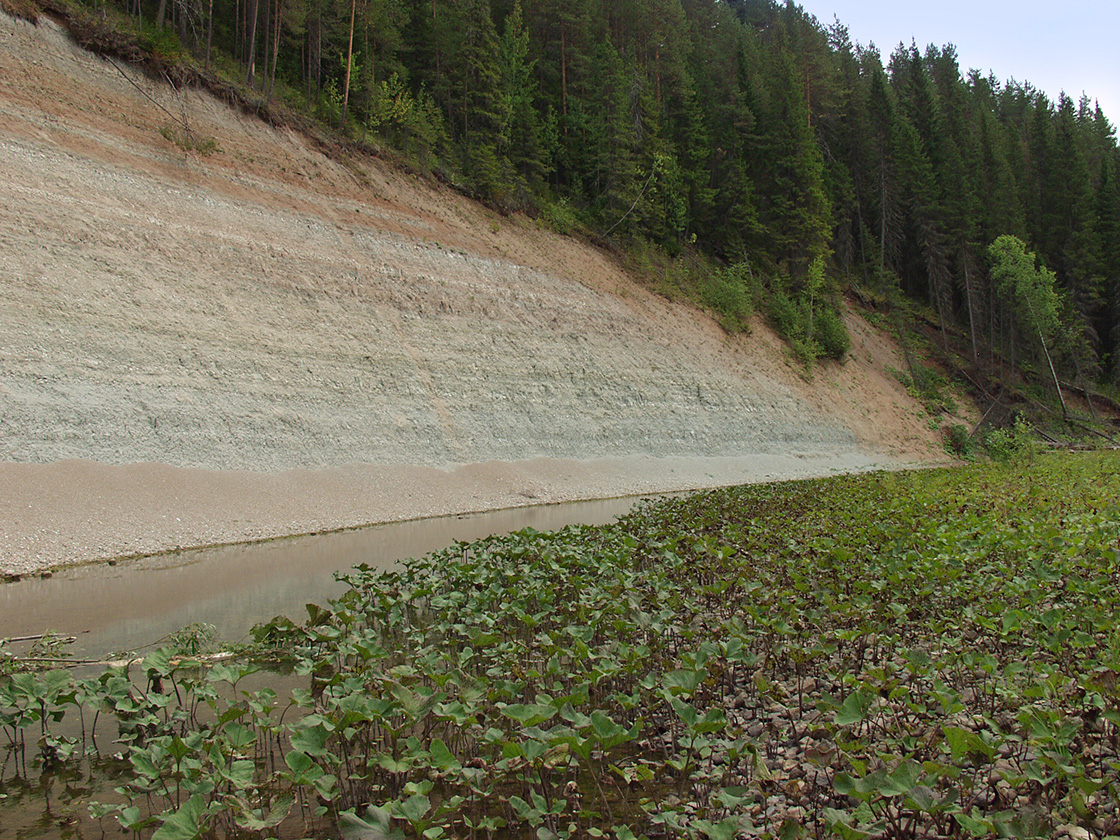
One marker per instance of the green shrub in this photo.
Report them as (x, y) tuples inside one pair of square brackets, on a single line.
[(412, 123), (999, 445), (783, 314), (927, 386), (561, 217), (831, 334), (790, 316), (1015, 444), (958, 441), (188, 140), (729, 292), (163, 44)]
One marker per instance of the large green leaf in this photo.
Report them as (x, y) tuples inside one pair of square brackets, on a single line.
[(183, 824), (854, 709), (529, 714), (372, 824)]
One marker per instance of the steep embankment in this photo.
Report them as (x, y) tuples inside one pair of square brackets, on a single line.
[(269, 310)]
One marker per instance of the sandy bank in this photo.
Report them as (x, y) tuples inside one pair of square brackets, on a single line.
[(79, 512)]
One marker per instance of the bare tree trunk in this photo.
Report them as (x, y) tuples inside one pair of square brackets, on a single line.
[(251, 57), (1050, 362), (209, 31), (182, 15), (1011, 341), (1085, 389), (319, 49), (278, 18), (439, 56), (882, 224), (563, 71), (971, 315), (368, 72), (349, 61), (266, 34)]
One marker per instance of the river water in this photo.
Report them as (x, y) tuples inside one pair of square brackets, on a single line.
[(134, 604)]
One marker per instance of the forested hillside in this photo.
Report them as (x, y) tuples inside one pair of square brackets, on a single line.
[(742, 130)]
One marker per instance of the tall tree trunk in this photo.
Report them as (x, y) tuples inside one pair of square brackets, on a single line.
[(1050, 362), (368, 74), (307, 64), (1011, 342), (266, 40), (186, 31), (882, 226), (438, 55), (251, 54), (319, 49), (349, 61), (563, 72), (968, 295), (278, 18), (209, 31)]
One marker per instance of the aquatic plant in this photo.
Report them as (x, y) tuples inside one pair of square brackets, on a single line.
[(927, 654)]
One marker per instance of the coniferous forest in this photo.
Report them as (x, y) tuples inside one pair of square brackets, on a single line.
[(742, 132)]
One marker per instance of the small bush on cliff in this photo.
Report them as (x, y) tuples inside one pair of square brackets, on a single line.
[(730, 292), (189, 141), (831, 334), (813, 331)]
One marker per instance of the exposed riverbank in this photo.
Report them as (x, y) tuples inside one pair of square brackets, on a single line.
[(80, 512), (199, 350)]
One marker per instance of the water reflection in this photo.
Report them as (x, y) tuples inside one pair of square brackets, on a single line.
[(136, 603)]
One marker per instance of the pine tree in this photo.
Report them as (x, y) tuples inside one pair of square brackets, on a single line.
[(885, 177), (797, 214), (519, 134)]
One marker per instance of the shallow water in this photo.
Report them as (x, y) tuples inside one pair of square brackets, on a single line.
[(136, 603)]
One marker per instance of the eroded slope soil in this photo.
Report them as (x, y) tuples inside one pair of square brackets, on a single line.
[(266, 340)]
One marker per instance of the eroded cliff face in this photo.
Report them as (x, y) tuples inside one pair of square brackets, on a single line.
[(265, 307)]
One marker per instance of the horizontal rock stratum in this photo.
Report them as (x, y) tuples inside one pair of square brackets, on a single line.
[(268, 308)]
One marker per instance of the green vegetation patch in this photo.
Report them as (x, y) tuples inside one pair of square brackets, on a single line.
[(925, 654), (189, 141), (26, 9)]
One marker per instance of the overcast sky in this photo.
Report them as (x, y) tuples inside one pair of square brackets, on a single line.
[(1072, 45)]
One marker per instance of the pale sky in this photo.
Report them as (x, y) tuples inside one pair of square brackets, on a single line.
[(1072, 45)]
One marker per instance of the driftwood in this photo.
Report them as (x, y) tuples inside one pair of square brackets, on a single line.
[(1081, 447), (37, 637), (117, 663), (202, 657)]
